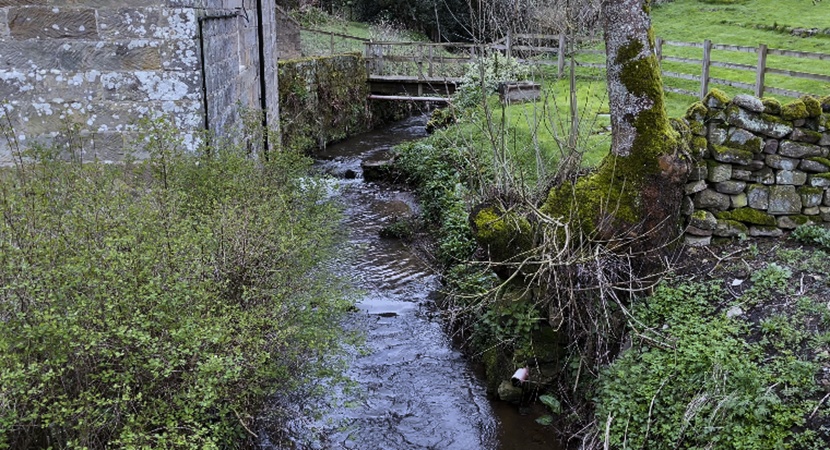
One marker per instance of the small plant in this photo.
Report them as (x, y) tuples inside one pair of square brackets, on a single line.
[(770, 281), (555, 407), (812, 234)]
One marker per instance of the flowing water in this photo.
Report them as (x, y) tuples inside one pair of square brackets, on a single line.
[(419, 390)]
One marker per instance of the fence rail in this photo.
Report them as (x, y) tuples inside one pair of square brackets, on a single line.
[(435, 55)]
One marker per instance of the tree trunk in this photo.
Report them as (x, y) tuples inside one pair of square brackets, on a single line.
[(637, 190)]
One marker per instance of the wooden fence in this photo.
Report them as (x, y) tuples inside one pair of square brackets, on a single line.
[(760, 69), (427, 56)]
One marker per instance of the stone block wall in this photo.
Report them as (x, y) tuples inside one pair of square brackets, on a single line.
[(760, 167), (325, 99), (288, 36), (104, 64)]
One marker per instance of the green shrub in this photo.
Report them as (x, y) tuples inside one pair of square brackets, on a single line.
[(162, 304), (699, 384), (812, 234)]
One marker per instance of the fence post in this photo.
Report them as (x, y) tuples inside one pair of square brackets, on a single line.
[(704, 74), (509, 51), (561, 54), (332, 44), (379, 65), (659, 51), (429, 67), (420, 64), (761, 70)]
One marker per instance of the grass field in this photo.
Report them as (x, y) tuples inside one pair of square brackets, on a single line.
[(734, 23), (721, 21)]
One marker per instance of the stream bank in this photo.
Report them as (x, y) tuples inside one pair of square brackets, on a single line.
[(419, 390)]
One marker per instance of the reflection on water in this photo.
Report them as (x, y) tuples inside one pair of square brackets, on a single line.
[(418, 390)]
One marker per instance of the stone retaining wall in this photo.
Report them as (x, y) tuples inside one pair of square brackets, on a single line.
[(325, 99), (760, 168)]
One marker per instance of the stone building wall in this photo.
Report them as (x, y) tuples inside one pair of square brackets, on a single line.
[(104, 64), (761, 167)]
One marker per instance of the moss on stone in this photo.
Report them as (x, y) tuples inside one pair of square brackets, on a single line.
[(738, 225), (699, 145), (767, 228), (699, 214), (814, 135), (820, 160), (812, 105), (775, 119), (679, 126), (754, 145), (749, 215), (810, 190), (697, 128), (697, 111), (794, 110), (490, 359), (825, 103), (716, 98), (723, 215), (731, 155), (771, 105), (505, 235), (800, 219)]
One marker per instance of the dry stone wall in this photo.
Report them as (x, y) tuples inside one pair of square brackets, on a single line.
[(104, 64), (761, 168)]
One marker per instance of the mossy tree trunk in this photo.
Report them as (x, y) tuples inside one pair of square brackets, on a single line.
[(637, 189)]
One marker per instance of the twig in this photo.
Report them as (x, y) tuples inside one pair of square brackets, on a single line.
[(245, 426), (819, 404), (721, 259)]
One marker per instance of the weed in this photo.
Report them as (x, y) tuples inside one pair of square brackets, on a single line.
[(812, 234)]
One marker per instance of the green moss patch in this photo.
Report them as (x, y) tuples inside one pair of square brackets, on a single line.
[(731, 155), (505, 235), (812, 105), (810, 190), (820, 160), (697, 111), (748, 215), (794, 110), (716, 98), (771, 105)]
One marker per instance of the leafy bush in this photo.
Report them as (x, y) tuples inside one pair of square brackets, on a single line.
[(173, 303)]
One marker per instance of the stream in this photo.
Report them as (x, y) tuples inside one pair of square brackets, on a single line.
[(419, 391)]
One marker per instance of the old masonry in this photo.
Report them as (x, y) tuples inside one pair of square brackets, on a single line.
[(103, 64)]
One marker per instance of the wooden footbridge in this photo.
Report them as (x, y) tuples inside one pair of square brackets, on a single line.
[(421, 71), (425, 71)]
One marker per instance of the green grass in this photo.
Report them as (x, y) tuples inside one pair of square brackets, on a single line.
[(695, 21)]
